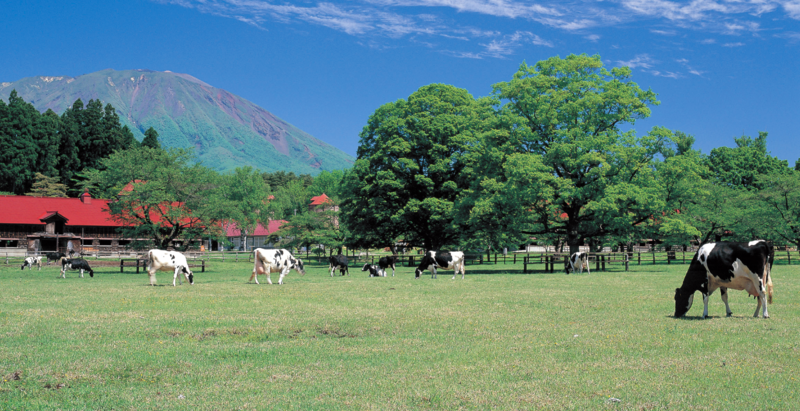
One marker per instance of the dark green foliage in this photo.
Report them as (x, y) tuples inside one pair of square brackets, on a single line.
[(47, 187), (151, 139), (738, 167), (410, 167), (32, 142), (282, 178)]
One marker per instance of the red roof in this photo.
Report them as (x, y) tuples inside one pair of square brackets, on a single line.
[(273, 226), (31, 210), (320, 200)]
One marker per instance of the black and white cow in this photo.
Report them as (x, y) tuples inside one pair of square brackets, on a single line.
[(445, 260), (724, 265), (54, 257), (30, 261), (75, 264), (338, 262), (275, 261), (577, 259), (379, 270), (160, 260)]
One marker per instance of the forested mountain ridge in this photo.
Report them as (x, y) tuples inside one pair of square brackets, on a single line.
[(225, 130)]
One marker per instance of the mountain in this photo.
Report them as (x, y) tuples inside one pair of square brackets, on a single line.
[(225, 130)]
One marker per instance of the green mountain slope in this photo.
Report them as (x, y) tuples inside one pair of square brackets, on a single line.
[(225, 130)]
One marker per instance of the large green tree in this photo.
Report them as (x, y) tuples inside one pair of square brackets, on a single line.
[(18, 148), (161, 195), (410, 167), (556, 162)]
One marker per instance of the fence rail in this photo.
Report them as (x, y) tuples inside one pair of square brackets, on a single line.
[(552, 261)]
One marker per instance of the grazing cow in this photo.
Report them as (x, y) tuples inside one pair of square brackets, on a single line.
[(338, 262), (574, 260), (380, 269), (75, 264), (54, 257), (275, 261), (724, 265), (160, 260), (445, 260), (30, 261)]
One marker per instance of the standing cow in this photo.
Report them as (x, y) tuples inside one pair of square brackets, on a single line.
[(338, 262), (445, 260), (75, 264), (160, 260), (578, 259), (30, 261), (275, 261), (54, 257), (724, 265)]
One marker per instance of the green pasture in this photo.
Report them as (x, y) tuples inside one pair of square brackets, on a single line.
[(496, 340)]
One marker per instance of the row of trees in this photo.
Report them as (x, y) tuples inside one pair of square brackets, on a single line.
[(545, 156), (54, 146)]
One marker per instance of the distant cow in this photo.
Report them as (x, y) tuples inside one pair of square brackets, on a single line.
[(275, 261), (445, 260), (724, 265), (380, 269), (160, 260), (30, 261), (338, 262), (54, 257), (578, 259), (75, 264)]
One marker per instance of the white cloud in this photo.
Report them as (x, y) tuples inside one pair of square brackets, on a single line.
[(593, 37), (664, 32), (733, 44), (668, 74), (641, 60), (709, 41)]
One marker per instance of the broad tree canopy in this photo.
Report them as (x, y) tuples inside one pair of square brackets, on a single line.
[(409, 168)]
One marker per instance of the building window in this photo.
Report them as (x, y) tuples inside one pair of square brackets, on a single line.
[(9, 243), (105, 243)]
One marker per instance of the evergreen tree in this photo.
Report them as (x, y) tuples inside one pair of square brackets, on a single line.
[(18, 151), (151, 139), (45, 186)]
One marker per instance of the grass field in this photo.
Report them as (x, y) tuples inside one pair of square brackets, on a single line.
[(496, 340)]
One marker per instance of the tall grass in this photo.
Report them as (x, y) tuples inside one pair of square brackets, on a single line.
[(494, 340)]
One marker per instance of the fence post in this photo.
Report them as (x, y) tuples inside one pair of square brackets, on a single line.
[(137, 265), (203, 266), (524, 265), (481, 259), (603, 261), (788, 255), (597, 263), (654, 256), (684, 256), (626, 261), (120, 265), (495, 258)]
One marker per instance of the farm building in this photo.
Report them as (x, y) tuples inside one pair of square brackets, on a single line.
[(43, 224), (257, 239)]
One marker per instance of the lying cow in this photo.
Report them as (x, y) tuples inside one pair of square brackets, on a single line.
[(160, 260), (445, 260), (338, 262), (275, 261), (575, 260), (380, 269), (75, 264), (724, 265), (30, 261), (54, 257)]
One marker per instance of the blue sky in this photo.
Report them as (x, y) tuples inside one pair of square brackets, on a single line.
[(721, 68)]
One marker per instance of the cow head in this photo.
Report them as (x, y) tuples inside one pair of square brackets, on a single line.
[(297, 264), (683, 302), (23, 265), (91, 273), (188, 274)]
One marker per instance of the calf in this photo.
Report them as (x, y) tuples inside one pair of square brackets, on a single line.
[(54, 257), (445, 260), (380, 269), (275, 261), (160, 260), (724, 265), (30, 261), (75, 264), (578, 258), (338, 262)]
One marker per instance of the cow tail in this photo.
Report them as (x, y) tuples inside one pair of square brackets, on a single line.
[(149, 260), (769, 286)]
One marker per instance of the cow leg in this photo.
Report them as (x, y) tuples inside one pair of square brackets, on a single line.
[(175, 277), (763, 299), (283, 274), (332, 270), (392, 270), (434, 273), (81, 272), (63, 273), (724, 295), (705, 304), (152, 275), (269, 271), (254, 276), (588, 270)]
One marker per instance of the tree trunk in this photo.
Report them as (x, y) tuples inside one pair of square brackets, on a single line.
[(573, 239)]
